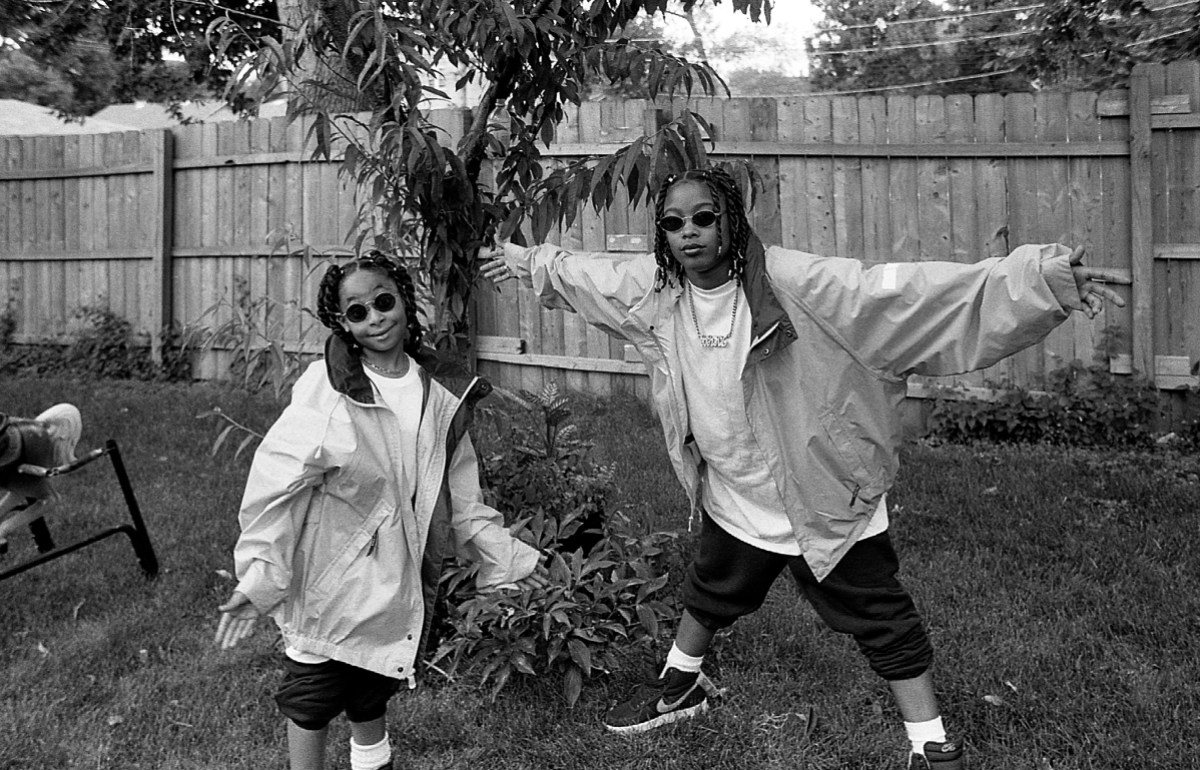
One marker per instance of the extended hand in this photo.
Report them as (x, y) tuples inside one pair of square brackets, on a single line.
[(1092, 293), (238, 617), (494, 268), (539, 578)]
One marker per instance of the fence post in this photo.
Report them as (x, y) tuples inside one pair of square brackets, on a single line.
[(162, 204), (1141, 221)]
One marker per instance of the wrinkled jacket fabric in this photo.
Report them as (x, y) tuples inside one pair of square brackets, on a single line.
[(832, 343), (347, 565)]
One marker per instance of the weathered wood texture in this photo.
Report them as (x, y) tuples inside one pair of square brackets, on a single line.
[(205, 225)]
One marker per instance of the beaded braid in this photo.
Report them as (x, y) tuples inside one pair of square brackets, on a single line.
[(329, 309), (728, 196)]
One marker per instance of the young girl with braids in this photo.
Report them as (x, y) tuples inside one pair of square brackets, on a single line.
[(361, 489), (778, 377)]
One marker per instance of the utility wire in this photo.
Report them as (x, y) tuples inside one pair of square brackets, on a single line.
[(927, 19), (907, 46), (913, 85)]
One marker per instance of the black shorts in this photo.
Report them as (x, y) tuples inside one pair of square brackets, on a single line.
[(861, 596), (312, 694)]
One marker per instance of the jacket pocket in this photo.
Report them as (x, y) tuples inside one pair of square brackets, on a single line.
[(862, 484)]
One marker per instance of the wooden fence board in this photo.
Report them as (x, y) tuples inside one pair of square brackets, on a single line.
[(933, 180), (902, 182), (847, 182), (793, 175), (879, 178), (876, 228)]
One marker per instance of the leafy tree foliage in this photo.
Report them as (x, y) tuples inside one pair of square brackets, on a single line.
[(125, 50), (972, 46), (423, 193)]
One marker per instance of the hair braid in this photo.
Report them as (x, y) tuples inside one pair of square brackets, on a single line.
[(329, 302), (728, 197)]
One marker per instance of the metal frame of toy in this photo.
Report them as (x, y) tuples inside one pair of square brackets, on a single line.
[(139, 537)]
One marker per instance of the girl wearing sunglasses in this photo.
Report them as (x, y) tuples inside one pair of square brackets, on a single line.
[(356, 496), (778, 377)]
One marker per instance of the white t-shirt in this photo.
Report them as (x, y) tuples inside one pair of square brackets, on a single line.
[(402, 395), (739, 492)]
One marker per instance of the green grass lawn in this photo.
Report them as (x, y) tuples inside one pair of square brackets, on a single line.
[(1060, 587)]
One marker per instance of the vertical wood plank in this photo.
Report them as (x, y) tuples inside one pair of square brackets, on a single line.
[(1085, 198), (902, 182), (73, 268), (1141, 234), (1023, 223), (847, 182), (964, 203), (1050, 121), (793, 173), (877, 229), (162, 217), (1116, 209), (933, 181), (818, 128)]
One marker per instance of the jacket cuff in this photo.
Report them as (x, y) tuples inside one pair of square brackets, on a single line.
[(257, 586), (505, 562), (1057, 272)]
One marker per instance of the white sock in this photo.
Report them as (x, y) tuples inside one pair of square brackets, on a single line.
[(370, 757), (920, 732), (681, 661)]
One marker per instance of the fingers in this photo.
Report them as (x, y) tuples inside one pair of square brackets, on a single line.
[(233, 629), (1077, 256), (496, 270)]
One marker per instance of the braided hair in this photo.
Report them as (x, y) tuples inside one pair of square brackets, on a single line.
[(329, 308), (728, 197)]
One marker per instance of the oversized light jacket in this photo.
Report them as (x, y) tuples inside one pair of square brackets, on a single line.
[(832, 343), (347, 565)]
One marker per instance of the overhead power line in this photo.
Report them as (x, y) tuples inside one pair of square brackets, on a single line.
[(921, 84), (928, 19), (907, 46)]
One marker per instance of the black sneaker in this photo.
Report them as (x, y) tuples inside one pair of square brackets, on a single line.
[(938, 756), (674, 696)]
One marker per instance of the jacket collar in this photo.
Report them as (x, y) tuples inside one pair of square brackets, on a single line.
[(345, 371), (770, 327)]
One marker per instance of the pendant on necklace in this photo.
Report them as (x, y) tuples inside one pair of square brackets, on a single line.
[(713, 341)]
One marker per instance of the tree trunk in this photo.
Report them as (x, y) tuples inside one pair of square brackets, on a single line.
[(319, 81)]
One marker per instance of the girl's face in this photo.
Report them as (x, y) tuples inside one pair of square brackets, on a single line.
[(364, 298), (702, 248)]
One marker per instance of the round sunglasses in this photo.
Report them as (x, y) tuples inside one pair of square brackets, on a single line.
[(356, 313), (673, 223)]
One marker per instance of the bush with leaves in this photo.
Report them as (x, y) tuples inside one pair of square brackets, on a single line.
[(100, 344), (1082, 406), (595, 606), (605, 573), (544, 467)]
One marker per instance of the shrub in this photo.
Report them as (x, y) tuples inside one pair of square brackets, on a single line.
[(100, 344), (605, 575), (595, 605), (544, 467), (1083, 406)]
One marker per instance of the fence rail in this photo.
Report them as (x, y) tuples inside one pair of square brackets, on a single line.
[(180, 225)]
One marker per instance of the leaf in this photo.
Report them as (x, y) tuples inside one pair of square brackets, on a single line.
[(572, 685), (581, 654)]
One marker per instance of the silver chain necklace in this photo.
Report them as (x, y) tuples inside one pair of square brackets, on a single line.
[(712, 340), (384, 370)]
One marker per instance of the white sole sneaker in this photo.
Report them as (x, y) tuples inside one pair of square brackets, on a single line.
[(65, 426)]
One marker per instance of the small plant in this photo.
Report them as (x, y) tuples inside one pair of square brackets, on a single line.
[(1082, 406), (253, 333), (545, 468), (596, 605)]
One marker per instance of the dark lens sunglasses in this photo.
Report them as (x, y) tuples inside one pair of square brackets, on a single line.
[(672, 223), (357, 313)]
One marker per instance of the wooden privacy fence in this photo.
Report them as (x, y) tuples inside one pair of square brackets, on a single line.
[(176, 225)]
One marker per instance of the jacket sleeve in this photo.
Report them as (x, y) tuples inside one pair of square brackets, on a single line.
[(599, 286), (287, 466), (479, 529), (936, 318)]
